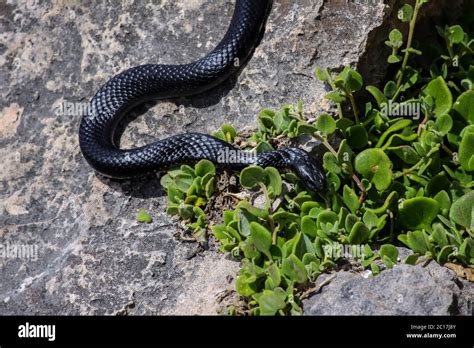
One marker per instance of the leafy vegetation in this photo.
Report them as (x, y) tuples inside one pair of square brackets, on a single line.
[(402, 174)]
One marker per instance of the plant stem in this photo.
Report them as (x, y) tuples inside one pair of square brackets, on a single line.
[(334, 88), (409, 170), (274, 231), (422, 125), (447, 150), (354, 107), (360, 185), (268, 205), (407, 50)]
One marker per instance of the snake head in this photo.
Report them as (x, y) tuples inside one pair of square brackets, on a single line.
[(310, 171)]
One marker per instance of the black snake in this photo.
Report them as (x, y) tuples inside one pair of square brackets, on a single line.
[(141, 83)]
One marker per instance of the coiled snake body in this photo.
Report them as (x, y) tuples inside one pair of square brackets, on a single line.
[(138, 84)]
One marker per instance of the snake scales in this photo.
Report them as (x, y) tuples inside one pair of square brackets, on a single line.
[(151, 81)]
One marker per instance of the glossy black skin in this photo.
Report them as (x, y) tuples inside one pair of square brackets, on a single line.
[(138, 84)]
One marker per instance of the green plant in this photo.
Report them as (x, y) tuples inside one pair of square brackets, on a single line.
[(144, 217), (188, 191), (401, 174)]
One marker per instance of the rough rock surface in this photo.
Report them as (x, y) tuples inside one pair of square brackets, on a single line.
[(402, 290), (92, 256)]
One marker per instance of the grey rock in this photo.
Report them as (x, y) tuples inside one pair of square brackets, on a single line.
[(402, 290), (92, 256)]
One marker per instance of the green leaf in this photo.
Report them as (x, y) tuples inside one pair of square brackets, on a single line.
[(274, 273), (326, 124), (395, 137), (308, 206), (378, 95), (283, 217), (370, 219), (418, 242), (262, 238), (333, 181), (271, 302), (249, 249), (375, 165), (439, 235), (220, 232), (195, 189), (411, 259), (229, 132), (343, 123), (374, 268), (411, 76), (444, 253), (330, 163), (185, 211), (405, 14), (438, 183), (204, 167), (322, 74), (143, 216), (294, 269), (309, 227), (444, 201), (305, 128), (466, 151), (210, 188), (349, 80), (350, 199), (399, 125), (394, 59), (442, 97), (252, 176), (350, 221), (183, 181), (244, 220), (390, 89), (455, 34), (345, 156), (359, 233), (462, 211), (188, 169), (444, 123), (174, 195), (325, 217), (406, 153), (274, 182), (173, 172), (388, 262), (219, 134), (261, 213), (263, 146), (464, 106), (390, 201), (396, 38), (166, 181), (418, 212), (390, 251), (336, 97), (357, 136), (301, 245), (243, 287)]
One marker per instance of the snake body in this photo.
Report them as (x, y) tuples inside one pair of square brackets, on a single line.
[(152, 81)]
